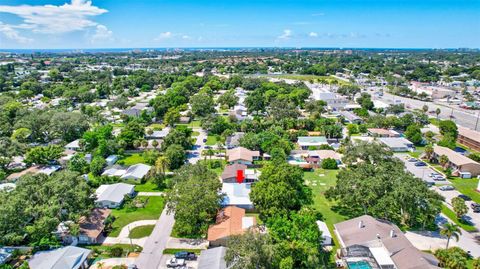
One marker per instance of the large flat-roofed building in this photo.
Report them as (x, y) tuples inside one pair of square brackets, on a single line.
[(469, 138), (367, 242)]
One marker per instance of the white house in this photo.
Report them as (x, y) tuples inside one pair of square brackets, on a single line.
[(237, 195), (112, 195), (66, 258), (136, 172), (74, 145), (111, 160)]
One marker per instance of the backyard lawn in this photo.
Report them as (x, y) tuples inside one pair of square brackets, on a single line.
[(148, 186), (467, 186), (319, 185), (132, 159), (124, 216), (141, 231), (195, 133), (156, 126), (211, 140)]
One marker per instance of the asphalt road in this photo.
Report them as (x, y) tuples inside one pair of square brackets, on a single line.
[(422, 172), (462, 117), (152, 254)]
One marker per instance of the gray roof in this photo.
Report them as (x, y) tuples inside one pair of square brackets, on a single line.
[(114, 192), (213, 258), (137, 171), (395, 142), (234, 140), (62, 258)]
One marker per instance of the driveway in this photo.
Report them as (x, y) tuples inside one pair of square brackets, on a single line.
[(109, 263), (195, 155), (152, 252), (166, 257)]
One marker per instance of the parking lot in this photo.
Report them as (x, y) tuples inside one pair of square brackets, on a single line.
[(422, 172)]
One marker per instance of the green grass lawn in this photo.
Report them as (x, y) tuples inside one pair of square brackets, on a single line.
[(418, 151), (322, 183), (148, 186), (132, 159), (156, 126), (103, 251), (451, 215), (195, 133), (467, 186), (217, 170), (141, 231), (124, 216), (211, 140), (172, 251)]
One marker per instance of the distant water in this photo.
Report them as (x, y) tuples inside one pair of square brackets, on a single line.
[(127, 50)]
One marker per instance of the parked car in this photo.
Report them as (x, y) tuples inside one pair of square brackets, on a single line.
[(185, 255), (476, 210), (439, 178), (447, 188), (412, 160), (433, 174), (420, 164), (464, 197), (174, 262), (204, 140), (475, 205)]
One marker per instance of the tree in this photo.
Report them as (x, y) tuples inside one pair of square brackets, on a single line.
[(132, 131), (414, 134), (78, 164), (202, 104), (280, 189), (172, 116), (443, 160), (97, 165), (250, 250), (365, 100), (43, 154), (329, 163), (476, 263), (155, 144), (428, 152), (376, 183), (194, 199), (228, 99), (176, 156), (459, 207), (452, 258), (425, 108), (437, 112), (448, 127), (450, 230), (150, 156), (158, 173)]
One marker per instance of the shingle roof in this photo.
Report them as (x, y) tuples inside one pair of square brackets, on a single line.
[(231, 170), (241, 153), (365, 229), (471, 134), (137, 171), (62, 258), (213, 258), (113, 192), (453, 157), (229, 222), (93, 225)]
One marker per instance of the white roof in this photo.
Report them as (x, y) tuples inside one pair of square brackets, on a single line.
[(137, 171), (382, 256), (114, 172), (114, 192), (395, 142), (326, 235), (74, 144), (237, 194), (48, 170), (62, 258)]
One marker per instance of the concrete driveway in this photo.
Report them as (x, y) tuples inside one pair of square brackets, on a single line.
[(166, 257)]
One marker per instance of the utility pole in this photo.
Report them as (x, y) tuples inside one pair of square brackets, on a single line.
[(476, 123)]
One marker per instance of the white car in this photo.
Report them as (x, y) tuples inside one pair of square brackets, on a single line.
[(174, 262), (447, 188)]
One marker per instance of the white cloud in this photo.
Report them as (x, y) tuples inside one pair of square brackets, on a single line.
[(313, 34), (286, 34), (101, 34), (185, 37), (163, 36), (9, 32), (53, 19)]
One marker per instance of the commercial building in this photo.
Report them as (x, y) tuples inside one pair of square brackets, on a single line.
[(469, 138), (460, 165)]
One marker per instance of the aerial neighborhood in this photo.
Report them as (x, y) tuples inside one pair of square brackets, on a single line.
[(275, 158)]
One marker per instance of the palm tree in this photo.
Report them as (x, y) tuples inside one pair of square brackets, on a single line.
[(155, 144), (450, 230), (425, 108), (438, 111), (443, 160), (428, 152), (100, 265)]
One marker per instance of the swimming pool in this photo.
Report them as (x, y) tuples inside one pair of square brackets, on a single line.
[(359, 265)]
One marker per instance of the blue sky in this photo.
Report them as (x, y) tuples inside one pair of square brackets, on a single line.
[(260, 23)]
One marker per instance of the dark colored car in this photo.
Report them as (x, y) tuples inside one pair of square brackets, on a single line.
[(475, 205), (420, 164), (476, 210), (464, 197), (204, 140), (186, 255)]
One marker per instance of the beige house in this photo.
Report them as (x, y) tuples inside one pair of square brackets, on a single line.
[(231, 220), (457, 162), (367, 242), (242, 155), (469, 138)]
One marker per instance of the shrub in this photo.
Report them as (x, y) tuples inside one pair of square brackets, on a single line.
[(329, 163)]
